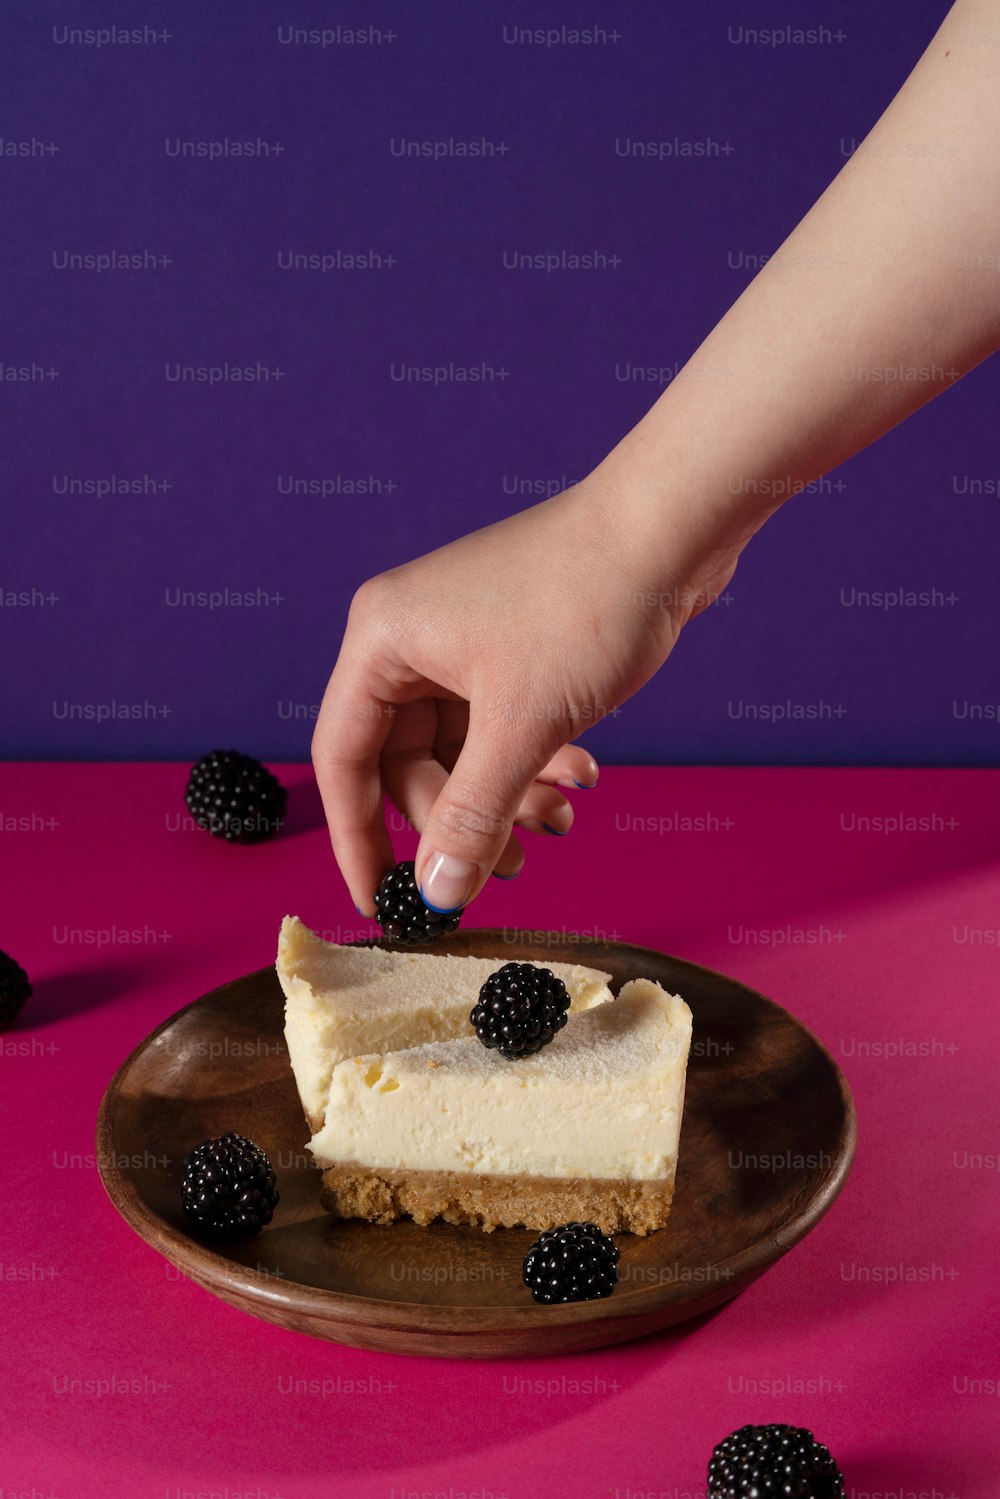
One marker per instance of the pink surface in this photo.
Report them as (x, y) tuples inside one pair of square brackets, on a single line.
[(879, 1331)]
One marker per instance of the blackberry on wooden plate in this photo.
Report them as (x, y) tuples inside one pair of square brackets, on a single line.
[(573, 1263), (235, 797), (401, 912), (784, 1461), (15, 988), (228, 1187), (520, 1008)]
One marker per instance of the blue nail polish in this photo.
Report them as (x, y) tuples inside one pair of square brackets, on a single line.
[(554, 831), (441, 910), (584, 785), (505, 876)]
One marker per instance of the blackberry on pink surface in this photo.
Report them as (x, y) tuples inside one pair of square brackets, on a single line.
[(235, 797), (15, 988), (786, 1462)]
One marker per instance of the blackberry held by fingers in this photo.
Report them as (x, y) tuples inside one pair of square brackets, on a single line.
[(401, 912), (235, 797), (228, 1188), (520, 1008), (573, 1263), (15, 988), (784, 1461)]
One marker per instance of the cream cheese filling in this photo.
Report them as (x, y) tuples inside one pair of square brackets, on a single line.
[(341, 1002), (604, 1100)]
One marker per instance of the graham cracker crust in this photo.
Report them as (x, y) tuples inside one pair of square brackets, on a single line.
[(489, 1202)]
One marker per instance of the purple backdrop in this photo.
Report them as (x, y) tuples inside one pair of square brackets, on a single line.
[(112, 148)]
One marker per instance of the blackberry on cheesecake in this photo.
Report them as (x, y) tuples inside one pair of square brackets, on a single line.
[(520, 1008)]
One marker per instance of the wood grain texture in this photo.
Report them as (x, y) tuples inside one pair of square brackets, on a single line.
[(766, 1144)]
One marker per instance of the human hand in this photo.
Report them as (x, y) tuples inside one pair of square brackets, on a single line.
[(464, 675)]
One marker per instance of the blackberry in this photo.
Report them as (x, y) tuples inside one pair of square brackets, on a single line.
[(786, 1461), (235, 797), (573, 1263), (520, 1008), (15, 988), (228, 1187), (401, 913)]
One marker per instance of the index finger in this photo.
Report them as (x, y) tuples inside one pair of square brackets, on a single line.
[(351, 730)]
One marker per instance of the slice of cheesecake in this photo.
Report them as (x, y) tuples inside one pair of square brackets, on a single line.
[(344, 1001), (587, 1128)]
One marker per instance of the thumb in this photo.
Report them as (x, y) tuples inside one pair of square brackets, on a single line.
[(469, 824)]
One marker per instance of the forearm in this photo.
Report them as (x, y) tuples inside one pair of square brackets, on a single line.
[(884, 295)]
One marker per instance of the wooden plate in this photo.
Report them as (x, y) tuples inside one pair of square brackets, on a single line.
[(767, 1141)]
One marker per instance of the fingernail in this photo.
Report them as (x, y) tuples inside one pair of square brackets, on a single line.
[(559, 832), (448, 882), (506, 876), (584, 785)]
